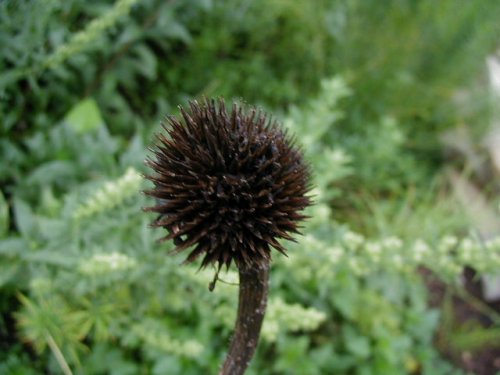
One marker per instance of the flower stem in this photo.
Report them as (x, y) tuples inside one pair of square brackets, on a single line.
[(254, 286)]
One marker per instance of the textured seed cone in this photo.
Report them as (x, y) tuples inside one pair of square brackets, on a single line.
[(228, 184)]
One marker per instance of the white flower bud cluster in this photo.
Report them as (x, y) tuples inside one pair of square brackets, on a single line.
[(84, 38), (106, 263), (282, 316), (156, 336), (331, 249), (112, 194)]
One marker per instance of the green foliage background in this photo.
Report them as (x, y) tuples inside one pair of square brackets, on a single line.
[(366, 88)]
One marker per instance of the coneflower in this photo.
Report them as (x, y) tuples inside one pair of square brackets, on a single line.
[(228, 185)]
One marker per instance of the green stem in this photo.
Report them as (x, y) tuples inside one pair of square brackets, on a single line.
[(59, 356)]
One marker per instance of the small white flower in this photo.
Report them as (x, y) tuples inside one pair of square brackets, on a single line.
[(104, 263), (335, 254), (392, 243), (352, 239), (448, 242), (373, 248)]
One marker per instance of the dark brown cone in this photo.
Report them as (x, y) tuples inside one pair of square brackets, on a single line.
[(228, 185)]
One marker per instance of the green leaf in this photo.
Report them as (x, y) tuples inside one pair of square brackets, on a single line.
[(49, 257), (25, 219), (357, 344), (146, 61), (104, 359), (167, 365), (4, 216), (135, 153), (7, 272), (12, 247), (469, 338), (85, 116), (52, 171)]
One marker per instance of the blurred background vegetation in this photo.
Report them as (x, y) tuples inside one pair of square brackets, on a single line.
[(393, 106)]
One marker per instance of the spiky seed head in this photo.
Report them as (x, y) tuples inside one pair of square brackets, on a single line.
[(228, 184)]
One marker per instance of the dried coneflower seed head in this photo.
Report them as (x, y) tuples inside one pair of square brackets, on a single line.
[(228, 184)]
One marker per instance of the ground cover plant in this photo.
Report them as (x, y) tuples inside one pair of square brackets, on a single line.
[(370, 93)]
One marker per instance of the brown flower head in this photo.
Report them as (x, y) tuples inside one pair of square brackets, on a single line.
[(227, 184)]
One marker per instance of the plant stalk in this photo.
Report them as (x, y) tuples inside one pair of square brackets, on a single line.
[(252, 302), (59, 356)]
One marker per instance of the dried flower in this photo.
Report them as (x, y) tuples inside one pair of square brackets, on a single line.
[(228, 183)]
